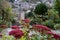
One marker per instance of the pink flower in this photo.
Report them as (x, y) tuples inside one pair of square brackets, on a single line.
[(56, 36), (26, 20), (16, 33), (15, 27)]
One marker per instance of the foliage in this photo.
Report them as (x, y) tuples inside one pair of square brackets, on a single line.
[(5, 9), (29, 15), (57, 26), (2, 22), (57, 20), (49, 23), (35, 21), (4, 4), (57, 5), (52, 14), (52, 18), (5, 37), (41, 9), (6, 12), (49, 20)]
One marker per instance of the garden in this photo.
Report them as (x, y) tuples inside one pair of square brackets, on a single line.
[(37, 25)]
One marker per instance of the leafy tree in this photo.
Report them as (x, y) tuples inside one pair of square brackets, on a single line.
[(4, 8)]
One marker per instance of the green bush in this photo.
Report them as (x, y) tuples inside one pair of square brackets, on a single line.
[(57, 20), (29, 15), (40, 9), (35, 21)]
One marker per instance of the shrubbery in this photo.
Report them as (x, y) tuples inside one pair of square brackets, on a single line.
[(41, 9), (45, 16)]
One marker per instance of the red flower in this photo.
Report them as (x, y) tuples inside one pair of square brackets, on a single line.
[(26, 20), (16, 33), (12, 32), (15, 27), (56, 36), (46, 28), (49, 32)]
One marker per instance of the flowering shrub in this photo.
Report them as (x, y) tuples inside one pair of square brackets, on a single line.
[(15, 27), (36, 32), (16, 33), (26, 23), (42, 27), (53, 35), (44, 30)]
